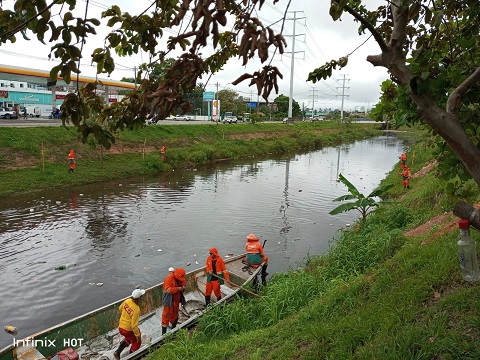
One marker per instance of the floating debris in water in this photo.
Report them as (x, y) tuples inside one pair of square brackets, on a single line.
[(295, 239), (146, 268), (91, 284), (347, 225), (159, 250), (196, 262), (300, 190), (188, 264), (137, 255), (120, 185), (331, 224), (31, 210), (194, 255), (279, 242), (99, 284)]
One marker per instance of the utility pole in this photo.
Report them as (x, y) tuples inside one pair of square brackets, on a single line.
[(343, 87), (313, 101), (292, 66)]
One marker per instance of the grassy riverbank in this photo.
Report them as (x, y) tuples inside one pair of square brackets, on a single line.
[(388, 290), (36, 157)]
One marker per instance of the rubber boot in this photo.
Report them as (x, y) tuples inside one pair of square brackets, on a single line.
[(264, 274), (119, 350), (207, 300), (174, 324), (164, 330)]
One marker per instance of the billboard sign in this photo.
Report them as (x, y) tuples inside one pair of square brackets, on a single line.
[(208, 95)]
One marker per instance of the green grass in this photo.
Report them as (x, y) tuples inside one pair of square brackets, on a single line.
[(377, 294)]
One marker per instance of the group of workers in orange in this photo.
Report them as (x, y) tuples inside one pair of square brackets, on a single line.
[(406, 174), (174, 287)]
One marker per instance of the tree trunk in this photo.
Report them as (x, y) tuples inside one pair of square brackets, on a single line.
[(466, 211)]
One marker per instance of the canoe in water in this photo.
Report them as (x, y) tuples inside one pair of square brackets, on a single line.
[(94, 336)]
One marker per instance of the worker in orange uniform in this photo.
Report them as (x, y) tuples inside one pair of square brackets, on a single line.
[(173, 287), (406, 174), (128, 325), (216, 272), (163, 152), (256, 255), (71, 160), (403, 160)]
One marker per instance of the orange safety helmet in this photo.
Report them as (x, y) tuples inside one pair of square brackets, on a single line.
[(252, 237), (179, 274)]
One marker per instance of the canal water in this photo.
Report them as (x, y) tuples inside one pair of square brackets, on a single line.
[(114, 236)]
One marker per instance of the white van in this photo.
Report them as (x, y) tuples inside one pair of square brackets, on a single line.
[(33, 111)]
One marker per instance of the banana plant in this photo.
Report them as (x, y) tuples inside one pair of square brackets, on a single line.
[(362, 203)]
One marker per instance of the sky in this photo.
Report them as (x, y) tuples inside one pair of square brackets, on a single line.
[(318, 40)]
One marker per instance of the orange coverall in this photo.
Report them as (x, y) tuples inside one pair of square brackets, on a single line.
[(71, 160), (406, 177), (215, 265), (403, 161), (172, 286)]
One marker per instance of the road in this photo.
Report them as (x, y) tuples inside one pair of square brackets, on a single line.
[(56, 122)]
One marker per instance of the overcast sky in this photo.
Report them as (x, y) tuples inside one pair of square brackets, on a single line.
[(319, 39)]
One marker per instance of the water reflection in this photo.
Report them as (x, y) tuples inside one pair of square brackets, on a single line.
[(127, 233)]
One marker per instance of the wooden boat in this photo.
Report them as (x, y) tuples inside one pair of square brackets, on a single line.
[(94, 336)]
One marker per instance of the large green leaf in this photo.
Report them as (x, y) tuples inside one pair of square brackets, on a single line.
[(343, 208)]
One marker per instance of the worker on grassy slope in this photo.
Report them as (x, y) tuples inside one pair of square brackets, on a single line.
[(71, 161), (406, 174), (215, 267), (403, 161)]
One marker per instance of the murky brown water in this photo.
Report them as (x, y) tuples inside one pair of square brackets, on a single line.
[(128, 232)]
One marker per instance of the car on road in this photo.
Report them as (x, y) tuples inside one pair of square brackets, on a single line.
[(229, 120), (8, 114), (182, 118)]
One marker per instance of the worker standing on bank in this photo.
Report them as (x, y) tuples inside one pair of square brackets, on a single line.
[(173, 287), (163, 152), (406, 174), (403, 160), (216, 272), (71, 160)]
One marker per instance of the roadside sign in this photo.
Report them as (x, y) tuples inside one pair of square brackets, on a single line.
[(208, 95)]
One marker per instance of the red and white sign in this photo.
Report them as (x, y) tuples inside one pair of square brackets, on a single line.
[(60, 97), (3, 94), (112, 100)]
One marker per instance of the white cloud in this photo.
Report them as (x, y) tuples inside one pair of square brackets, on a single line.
[(323, 40)]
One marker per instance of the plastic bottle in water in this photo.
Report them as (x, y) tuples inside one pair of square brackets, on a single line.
[(61, 267), (11, 330), (467, 251)]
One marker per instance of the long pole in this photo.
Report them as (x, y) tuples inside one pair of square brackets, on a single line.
[(238, 286), (290, 97)]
